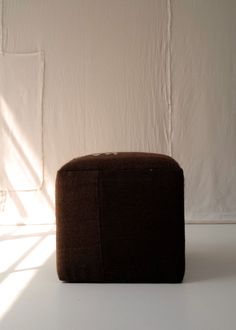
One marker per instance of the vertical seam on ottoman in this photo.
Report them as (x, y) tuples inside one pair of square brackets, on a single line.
[(99, 198)]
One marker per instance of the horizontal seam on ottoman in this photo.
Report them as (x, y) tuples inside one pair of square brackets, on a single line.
[(122, 169)]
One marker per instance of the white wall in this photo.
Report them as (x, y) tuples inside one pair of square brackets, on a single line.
[(204, 105), (127, 75)]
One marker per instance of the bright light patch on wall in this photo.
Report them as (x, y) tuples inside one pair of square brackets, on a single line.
[(38, 256), (27, 250), (21, 87), (11, 288), (13, 249)]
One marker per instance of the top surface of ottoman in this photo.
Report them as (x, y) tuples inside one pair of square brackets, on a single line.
[(121, 161)]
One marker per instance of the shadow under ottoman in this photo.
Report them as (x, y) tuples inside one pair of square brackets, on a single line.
[(120, 218)]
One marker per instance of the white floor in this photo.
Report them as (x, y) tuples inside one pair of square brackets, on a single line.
[(31, 296)]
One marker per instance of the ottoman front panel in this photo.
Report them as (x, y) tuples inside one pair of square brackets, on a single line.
[(78, 234), (142, 225)]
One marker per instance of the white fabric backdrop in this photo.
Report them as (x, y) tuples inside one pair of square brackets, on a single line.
[(146, 75), (204, 105), (21, 81)]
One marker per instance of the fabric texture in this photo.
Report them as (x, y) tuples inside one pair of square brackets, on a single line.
[(21, 145), (120, 218)]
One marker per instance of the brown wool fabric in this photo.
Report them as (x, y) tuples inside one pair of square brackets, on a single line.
[(120, 218)]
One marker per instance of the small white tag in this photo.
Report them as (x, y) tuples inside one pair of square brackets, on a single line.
[(105, 153)]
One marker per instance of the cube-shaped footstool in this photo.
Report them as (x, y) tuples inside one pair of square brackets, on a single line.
[(120, 218)]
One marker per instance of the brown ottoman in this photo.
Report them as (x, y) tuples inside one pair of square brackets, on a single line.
[(120, 218)]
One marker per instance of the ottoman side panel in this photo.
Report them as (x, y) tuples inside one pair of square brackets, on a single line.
[(79, 256), (142, 225)]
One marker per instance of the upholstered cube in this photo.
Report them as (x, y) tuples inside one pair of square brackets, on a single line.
[(120, 218)]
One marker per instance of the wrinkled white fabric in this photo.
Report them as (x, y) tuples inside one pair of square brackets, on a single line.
[(156, 76), (204, 105), (21, 78)]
